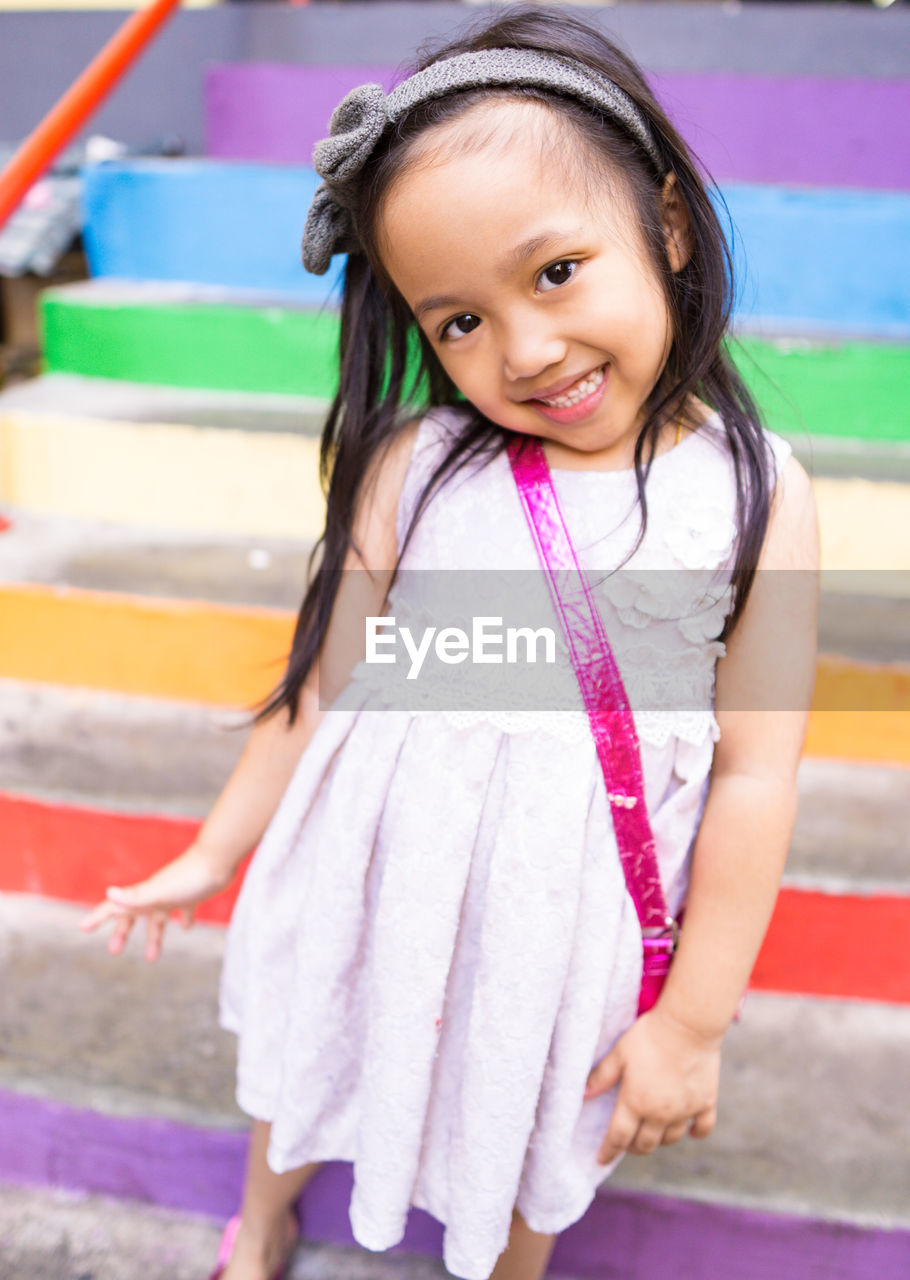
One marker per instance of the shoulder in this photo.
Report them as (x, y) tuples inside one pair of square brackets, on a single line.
[(790, 486), (709, 427), (792, 540), (374, 525), (396, 469), (708, 470)]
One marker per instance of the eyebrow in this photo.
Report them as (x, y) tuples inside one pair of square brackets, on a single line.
[(510, 262)]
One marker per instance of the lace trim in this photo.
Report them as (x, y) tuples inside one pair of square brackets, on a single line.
[(656, 728)]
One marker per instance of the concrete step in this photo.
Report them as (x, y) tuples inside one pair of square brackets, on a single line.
[(147, 560), (119, 400), (54, 1234), (863, 616), (115, 1047), (99, 789), (103, 449), (834, 399), (151, 756), (113, 752), (208, 618)]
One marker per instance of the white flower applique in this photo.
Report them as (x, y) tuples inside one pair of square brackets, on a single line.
[(646, 593), (706, 618), (700, 536)]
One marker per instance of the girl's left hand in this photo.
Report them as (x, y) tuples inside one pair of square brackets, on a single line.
[(668, 1077)]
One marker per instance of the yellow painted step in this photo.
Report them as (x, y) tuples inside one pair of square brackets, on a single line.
[(217, 480), (265, 483)]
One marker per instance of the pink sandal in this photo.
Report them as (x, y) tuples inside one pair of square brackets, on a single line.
[(226, 1248)]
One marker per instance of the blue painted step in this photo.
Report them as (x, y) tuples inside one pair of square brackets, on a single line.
[(204, 222), (828, 259), (816, 261)]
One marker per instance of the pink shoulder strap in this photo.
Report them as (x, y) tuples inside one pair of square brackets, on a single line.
[(607, 705)]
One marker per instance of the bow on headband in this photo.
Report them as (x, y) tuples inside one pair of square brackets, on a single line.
[(362, 117)]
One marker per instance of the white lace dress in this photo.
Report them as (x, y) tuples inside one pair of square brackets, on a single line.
[(434, 942)]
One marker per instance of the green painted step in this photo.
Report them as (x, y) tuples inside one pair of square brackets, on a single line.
[(849, 390), (187, 336)]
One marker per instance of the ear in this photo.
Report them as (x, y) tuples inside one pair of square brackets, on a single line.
[(677, 228)]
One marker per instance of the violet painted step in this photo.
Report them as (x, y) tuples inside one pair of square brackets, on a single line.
[(119, 1058), (748, 128), (145, 755)]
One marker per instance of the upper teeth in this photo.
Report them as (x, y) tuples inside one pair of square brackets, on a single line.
[(578, 391)]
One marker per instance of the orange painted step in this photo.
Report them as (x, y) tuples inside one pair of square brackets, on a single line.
[(225, 655), (233, 655)]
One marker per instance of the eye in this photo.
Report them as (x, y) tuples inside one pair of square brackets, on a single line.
[(459, 327), (558, 274)]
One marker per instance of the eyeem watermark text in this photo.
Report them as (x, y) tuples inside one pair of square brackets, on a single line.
[(488, 642)]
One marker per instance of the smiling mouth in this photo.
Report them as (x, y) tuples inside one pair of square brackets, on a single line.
[(580, 391)]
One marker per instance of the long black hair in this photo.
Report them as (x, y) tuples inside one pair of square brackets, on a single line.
[(389, 370)]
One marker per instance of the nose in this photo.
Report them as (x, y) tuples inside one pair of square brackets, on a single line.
[(530, 346)]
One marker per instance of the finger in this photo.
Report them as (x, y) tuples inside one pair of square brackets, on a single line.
[(620, 1134), (604, 1076), (676, 1131), (648, 1138), (121, 932), (131, 898), (154, 932), (704, 1123), (103, 911), (186, 917)]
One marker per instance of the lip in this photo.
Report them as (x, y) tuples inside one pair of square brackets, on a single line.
[(557, 388), (576, 412)]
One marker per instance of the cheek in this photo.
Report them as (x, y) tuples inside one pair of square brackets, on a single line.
[(648, 326), (470, 371)]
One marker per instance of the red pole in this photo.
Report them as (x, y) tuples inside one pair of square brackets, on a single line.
[(63, 120)]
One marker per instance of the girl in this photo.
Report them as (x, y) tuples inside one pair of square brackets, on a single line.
[(434, 963)]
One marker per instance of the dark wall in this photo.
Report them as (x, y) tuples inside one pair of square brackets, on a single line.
[(42, 52)]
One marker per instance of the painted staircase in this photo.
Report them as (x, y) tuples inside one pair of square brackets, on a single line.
[(160, 479)]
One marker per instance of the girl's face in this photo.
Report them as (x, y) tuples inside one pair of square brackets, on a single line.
[(546, 313)]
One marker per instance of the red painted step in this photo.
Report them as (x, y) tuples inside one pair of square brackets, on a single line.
[(843, 945)]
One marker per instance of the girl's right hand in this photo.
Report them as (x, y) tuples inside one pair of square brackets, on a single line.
[(179, 886)]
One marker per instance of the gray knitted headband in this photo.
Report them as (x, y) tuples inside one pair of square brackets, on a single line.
[(362, 117)]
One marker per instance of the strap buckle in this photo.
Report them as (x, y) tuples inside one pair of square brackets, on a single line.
[(657, 936)]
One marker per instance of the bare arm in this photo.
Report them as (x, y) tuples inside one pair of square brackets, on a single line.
[(246, 805), (763, 690), (272, 752), (764, 686), (668, 1063)]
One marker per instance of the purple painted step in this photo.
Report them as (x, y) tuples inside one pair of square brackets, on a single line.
[(269, 110), (799, 129), (813, 131), (624, 1235)]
